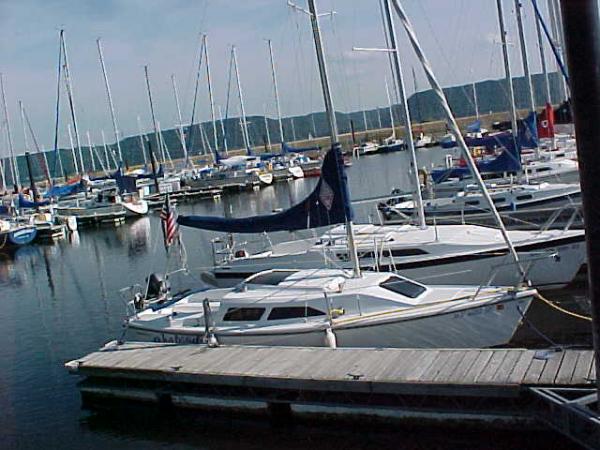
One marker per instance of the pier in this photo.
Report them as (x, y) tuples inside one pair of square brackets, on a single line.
[(510, 386)]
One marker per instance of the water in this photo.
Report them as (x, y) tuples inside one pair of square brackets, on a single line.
[(59, 302)]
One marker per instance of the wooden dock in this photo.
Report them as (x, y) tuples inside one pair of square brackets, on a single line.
[(506, 385)]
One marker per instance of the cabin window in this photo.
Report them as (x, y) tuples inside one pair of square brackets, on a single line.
[(243, 314), (524, 197), (398, 252), (403, 287), (499, 200), (294, 312), (472, 203), (543, 169)]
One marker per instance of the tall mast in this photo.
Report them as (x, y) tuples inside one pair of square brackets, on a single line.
[(105, 150), (389, 99), (25, 140), (524, 58), (276, 90), (475, 100), (14, 168), (57, 157), (210, 94), (152, 110), (35, 143), (223, 131), (89, 139), (73, 149), (509, 85), (556, 41), (110, 102), (267, 126), (333, 128), (71, 100), (241, 97), (455, 129), (293, 129), (418, 200), (180, 124), (141, 136), (538, 30)]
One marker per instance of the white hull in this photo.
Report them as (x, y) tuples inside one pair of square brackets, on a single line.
[(550, 264), (140, 208), (487, 325)]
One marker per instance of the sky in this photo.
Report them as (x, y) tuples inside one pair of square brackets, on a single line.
[(460, 37)]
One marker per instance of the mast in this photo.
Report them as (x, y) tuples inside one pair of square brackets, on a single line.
[(57, 157), (141, 135), (475, 100), (110, 102), (180, 124), (152, 111), (223, 131), (210, 94), (241, 97), (276, 91), (72, 149), (333, 128), (267, 126), (14, 168), (455, 129), (509, 85), (387, 93), (198, 74), (418, 200), (556, 42), (37, 147), (293, 129), (538, 30), (89, 139), (67, 73), (524, 58)]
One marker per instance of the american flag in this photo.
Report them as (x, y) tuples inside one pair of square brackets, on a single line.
[(169, 222)]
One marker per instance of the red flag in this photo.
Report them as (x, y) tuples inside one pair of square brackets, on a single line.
[(169, 222), (546, 122)]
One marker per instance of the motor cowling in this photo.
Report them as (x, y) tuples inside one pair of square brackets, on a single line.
[(158, 286)]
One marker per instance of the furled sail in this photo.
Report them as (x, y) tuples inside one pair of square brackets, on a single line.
[(328, 204), (26, 203)]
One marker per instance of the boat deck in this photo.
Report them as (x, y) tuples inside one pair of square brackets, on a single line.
[(458, 384)]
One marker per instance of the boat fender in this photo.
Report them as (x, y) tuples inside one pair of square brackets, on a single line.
[(337, 312), (423, 177), (72, 223), (330, 339)]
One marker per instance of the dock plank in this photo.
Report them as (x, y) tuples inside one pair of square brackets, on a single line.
[(534, 371), (488, 374), (437, 365), (453, 362), (464, 367), (551, 368), (582, 368), (520, 369), (478, 366), (507, 366), (567, 367)]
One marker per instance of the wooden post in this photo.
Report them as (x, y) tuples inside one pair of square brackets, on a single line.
[(582, 35)]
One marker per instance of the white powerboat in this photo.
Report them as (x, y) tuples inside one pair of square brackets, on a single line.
[(330, 308)]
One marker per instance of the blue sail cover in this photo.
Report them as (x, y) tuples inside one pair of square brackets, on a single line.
[(24, 203), (64, 190), (328, 204), (288, 149), (507, 161), (474, 127)]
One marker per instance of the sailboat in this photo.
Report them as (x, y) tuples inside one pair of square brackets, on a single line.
[(453, 254)]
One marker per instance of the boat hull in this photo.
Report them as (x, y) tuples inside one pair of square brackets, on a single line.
[(549, 265), (486, 325)]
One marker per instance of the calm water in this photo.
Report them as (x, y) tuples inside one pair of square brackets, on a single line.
[(59, 302)]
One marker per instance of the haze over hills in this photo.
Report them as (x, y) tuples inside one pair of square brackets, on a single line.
[(491, 95)]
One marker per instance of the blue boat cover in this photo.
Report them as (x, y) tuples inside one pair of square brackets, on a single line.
[(64, 190), (507, 161), (474, 127), (328, 204), (24, 203), (287, 149)]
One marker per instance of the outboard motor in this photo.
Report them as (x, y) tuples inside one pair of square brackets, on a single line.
[(157, 286)]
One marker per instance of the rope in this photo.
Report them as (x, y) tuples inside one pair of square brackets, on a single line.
[(561, 309)]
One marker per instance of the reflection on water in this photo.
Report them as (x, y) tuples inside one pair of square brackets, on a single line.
[(59, 302)]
